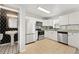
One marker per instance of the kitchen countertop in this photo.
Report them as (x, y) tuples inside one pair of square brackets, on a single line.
[(50, 29), (76, 31)]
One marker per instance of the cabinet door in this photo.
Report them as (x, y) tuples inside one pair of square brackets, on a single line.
[(70, 39), (63, 20), (48, 23), (47, 34), (30, 26), (73, 39), (36, 36), (28, 39), (54, 35), (51, 34), (31, 38), (74, 18), (45, 23), (56, 23)]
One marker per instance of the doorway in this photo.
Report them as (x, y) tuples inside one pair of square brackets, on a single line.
[(8, 31)]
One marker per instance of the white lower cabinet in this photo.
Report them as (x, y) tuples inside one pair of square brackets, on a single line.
[(31, 38), (51, 34), (73, 39), (54, 35)]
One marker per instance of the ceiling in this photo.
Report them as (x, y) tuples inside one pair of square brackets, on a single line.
[(55, 9)]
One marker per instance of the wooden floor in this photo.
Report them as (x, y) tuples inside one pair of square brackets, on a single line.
[(47, 46), (8, 49)]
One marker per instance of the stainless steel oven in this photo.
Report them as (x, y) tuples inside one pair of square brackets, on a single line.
[(40, 34)]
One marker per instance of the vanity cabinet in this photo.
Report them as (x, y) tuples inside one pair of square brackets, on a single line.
[(73, 39)]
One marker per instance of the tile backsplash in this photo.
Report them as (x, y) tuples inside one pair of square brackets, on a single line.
[(73, 27), (70, 27)]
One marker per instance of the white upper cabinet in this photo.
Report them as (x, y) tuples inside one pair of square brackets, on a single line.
[(74, 18), (63, 20), (45, 23), (48, 23), (56, 23)]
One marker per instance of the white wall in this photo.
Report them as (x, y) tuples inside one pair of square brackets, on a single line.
[(21, 31), (12, 22)]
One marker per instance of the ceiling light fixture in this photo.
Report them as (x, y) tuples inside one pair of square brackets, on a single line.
[(44, 10), (8, 8)]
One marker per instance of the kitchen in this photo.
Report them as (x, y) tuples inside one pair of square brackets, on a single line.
[(44, 28), (63, 28)]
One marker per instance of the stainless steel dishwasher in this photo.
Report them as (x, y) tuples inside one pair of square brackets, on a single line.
[(62, 37)]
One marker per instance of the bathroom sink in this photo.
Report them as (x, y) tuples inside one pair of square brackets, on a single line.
[(11, 33)]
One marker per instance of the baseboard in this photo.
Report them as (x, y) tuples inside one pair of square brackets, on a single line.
[(30, 43)]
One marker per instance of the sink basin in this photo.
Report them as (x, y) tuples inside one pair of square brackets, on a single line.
[(11, 32)]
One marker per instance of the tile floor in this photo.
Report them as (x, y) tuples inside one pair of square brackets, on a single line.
[(8, 49)]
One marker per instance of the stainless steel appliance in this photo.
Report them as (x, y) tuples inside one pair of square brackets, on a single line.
[(63, 37), (40, 34), (39, 30)]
